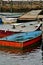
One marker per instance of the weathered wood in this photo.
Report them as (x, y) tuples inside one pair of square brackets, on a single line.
[(32, 15)]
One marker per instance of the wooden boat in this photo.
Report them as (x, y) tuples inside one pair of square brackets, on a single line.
[(21, 27), (5, 33), (21, 41), (31, 16), (8, 18)]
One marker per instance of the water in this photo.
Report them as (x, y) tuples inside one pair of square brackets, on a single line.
[(29, 58)]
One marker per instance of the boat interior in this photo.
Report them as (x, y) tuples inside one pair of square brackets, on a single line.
[(22, 37)]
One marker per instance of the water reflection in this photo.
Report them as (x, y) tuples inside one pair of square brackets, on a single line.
[(29, 58), (23, 51), (32, 56)]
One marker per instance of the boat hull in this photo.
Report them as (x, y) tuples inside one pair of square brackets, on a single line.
[(21, 42), (20, 46), (5, 33)]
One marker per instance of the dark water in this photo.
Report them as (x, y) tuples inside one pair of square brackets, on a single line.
[(42, 52)]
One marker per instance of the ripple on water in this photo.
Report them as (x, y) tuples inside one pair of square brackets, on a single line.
[(29, 58), (32, 58)]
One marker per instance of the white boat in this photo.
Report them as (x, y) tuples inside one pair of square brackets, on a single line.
[(21, 27), (9, 17), (6, 19)]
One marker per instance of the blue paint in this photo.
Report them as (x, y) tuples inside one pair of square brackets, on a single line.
[(0, 21), (21, 37)]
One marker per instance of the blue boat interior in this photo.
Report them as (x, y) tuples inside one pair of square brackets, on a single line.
[(21, 37), (0, 21)]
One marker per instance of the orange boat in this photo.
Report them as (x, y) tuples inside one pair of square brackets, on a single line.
[(21, 41)]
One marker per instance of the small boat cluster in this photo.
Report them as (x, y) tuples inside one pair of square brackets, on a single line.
[(20, 36)]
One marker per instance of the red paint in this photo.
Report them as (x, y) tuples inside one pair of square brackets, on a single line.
[(4, 34), (20, 45), (33, 41), (12, 44)]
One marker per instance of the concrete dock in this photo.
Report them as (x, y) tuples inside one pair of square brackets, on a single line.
[(32, 15)]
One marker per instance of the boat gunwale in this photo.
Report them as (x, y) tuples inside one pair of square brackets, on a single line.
[(22, 41)]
